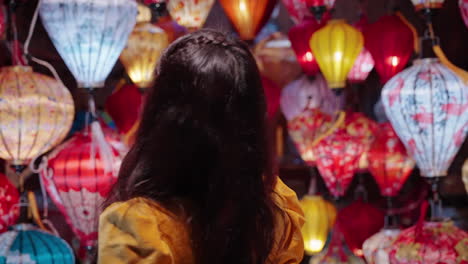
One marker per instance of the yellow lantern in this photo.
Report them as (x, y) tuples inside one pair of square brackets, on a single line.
[(144, 13), (320, 216), (141, 55), (336, 47), (36, 113), (465, 175)]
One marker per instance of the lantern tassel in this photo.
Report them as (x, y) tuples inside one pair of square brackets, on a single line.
[(339, 121), (462, 74), (103, 147)]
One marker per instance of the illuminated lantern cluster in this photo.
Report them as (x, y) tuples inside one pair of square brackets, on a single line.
[(191, 14), (338, 159), (430, 243), (141, 55), (305, 93), (28, 244), (9, 203), (78, 178), (336, 47), (427, 4), (359, 221), (320, 216), (248, 17), (376, 249), (388, 161), (36, 112), (427, 105), (391, 43), (89, 35), (300, 36)]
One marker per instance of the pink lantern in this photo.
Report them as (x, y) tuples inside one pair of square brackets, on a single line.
[(9, 203), (362, 67), (463, 9), (306, 93), (298, 10)]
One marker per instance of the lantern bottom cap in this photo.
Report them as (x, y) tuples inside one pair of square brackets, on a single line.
[(336, 85)]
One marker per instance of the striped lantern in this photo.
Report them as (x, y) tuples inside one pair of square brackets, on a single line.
[(191, 14), (26, 244), (9, 201), (36, 112)]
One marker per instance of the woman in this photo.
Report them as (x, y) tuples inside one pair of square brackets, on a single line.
[(197, 187)]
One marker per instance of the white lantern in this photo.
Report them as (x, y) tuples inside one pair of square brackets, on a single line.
[(376, 249)]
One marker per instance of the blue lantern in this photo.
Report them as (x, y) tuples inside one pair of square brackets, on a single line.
[(89, 34), (26, 244)]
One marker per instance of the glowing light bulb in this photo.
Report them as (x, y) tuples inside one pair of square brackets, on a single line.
[(394, 61), (242, 6), (308, 56), (314, 245), (338, 56)]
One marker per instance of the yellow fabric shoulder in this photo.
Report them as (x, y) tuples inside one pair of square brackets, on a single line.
[(140, 231)]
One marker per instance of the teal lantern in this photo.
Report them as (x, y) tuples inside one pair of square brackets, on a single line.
[(26, 244)]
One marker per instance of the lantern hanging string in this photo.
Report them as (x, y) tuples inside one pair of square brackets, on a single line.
[(313, 182)]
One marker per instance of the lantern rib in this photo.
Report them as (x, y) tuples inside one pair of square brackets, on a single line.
[(36, 86), (20, 117), (2, 136), (28, 235)]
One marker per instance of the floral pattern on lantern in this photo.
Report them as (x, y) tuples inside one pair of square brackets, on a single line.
[(36, 112), (9, 203), (362, 67), (248, 17), (427, 4), (376, 249), (389, 162), (427, 105), (79, 176), (338, 159), (391, 43), (191, 14), (336, 47), (320, 216), (430, 243), (141, 55), (89, 35), (26, 244)]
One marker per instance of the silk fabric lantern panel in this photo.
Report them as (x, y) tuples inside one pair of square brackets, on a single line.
[(336, 47), (3, 21), (305, 93), (389, 163), (26, 244), (427, 105), (248, 17), (191, 14), (430, 243), (425, 4), (337, 158), (391, 43), (141, 55), (463, 4), (376, 249), (36, 112), (320, 216), (9, 203), (362, 67), (89, 35), (78, 178), (298, 10)]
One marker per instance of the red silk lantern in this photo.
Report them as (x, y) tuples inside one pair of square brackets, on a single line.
[(248, 17), (300, 36), (391, 42), (338, 159), (9, 203), (389, 162), (358, 222), (272, 95), (79, 175), (126, 118)]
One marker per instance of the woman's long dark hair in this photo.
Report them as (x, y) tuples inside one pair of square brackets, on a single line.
[(202, 139)]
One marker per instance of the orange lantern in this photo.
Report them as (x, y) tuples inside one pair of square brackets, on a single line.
[(191, 14), (247, 16), (141, 55), (336, 47), (36, 112)]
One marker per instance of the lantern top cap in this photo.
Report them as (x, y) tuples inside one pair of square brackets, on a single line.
[(426, 61), (337, 21), (17, 68)]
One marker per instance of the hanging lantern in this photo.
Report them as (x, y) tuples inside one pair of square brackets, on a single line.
[(298, 10), (89, 35), (276, 60), (388, 161), (141, 55), (79, 175), (27, 244), (308, 128), (338, 159), (337, 252), (359, 221), (362, 67), (144, 14), (336, 47), (272, 95), (430, 243), (465, 175), (376, 249), (36, 112), (320, 216), (305, 93), (427, 4), (391, 43), (248, 17), (463, 4), (427, 105), (191, 14), (300, 36), (319, 7), (9, 202)]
